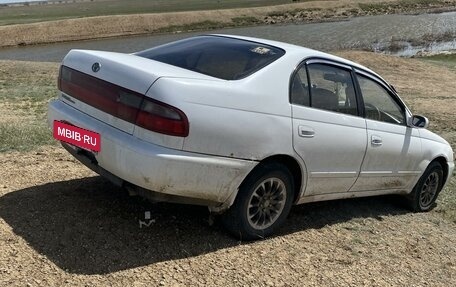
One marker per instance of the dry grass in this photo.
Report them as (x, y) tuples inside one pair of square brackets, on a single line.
[(119, 25)]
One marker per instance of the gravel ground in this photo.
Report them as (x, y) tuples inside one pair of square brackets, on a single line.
[(60, 224)]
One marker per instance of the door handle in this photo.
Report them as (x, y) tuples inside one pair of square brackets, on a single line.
[(306, 132), (376, 140)]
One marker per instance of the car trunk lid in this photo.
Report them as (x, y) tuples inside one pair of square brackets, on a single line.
[(111, 86)]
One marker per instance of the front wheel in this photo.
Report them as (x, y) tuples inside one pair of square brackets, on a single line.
[(424, 194), (263, 203)]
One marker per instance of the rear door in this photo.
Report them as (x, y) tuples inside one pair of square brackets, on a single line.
[(328, 132), (394, 149)]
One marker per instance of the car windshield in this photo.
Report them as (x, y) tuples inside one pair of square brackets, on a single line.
[(216, 56)]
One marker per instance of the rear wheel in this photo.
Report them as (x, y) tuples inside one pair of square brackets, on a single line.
[(263, 203), (425, 193)]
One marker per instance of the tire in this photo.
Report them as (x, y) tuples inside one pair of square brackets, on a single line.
[(262, 204), (424, 194)]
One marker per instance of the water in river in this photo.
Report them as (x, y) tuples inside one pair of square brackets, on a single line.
[(371, 32)]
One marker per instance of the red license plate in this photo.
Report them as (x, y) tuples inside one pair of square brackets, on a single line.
[(76, 136)]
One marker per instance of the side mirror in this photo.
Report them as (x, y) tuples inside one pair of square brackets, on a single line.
[(420, 121)]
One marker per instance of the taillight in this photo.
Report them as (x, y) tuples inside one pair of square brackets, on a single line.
[(122, 103), (112, 99), (162, 118)]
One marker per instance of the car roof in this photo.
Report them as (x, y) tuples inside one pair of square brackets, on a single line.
[(302, 51)]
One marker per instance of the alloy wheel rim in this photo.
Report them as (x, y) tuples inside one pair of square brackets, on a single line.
[(266, 203), (429, 189)]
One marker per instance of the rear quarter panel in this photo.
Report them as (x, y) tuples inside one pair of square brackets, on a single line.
[(248, 118)]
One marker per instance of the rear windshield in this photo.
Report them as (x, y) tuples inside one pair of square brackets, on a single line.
[(216, 56)]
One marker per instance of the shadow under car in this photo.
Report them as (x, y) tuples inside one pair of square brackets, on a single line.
[(90, 226)]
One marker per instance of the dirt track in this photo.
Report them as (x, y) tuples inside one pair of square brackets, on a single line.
[(60, 224)]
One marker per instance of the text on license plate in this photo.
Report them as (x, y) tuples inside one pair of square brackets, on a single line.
[(76, 136)]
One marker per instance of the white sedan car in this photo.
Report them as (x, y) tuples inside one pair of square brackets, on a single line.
[(245, 126)]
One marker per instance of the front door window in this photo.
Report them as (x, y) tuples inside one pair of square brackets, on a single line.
[(378, 103)]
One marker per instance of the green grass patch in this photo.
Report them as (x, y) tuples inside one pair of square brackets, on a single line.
[(447, 60), (40, 13), (25, 90), (26, 93), (24, 136)]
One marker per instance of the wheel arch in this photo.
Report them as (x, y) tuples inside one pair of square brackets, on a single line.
[(291, 164), (443, 162), (295, 167)]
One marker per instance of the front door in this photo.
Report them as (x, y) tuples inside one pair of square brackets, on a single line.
[(328, 133), (393, 150)]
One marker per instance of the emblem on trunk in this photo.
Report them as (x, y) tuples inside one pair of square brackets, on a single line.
[(96, 67)]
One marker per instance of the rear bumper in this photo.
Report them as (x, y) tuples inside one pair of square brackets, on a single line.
[(156, 168)]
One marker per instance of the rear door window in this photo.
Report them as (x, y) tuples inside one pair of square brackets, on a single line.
[(299, 92), (330, 88)]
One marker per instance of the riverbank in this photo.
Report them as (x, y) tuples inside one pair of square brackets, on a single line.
[(155, 23)]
